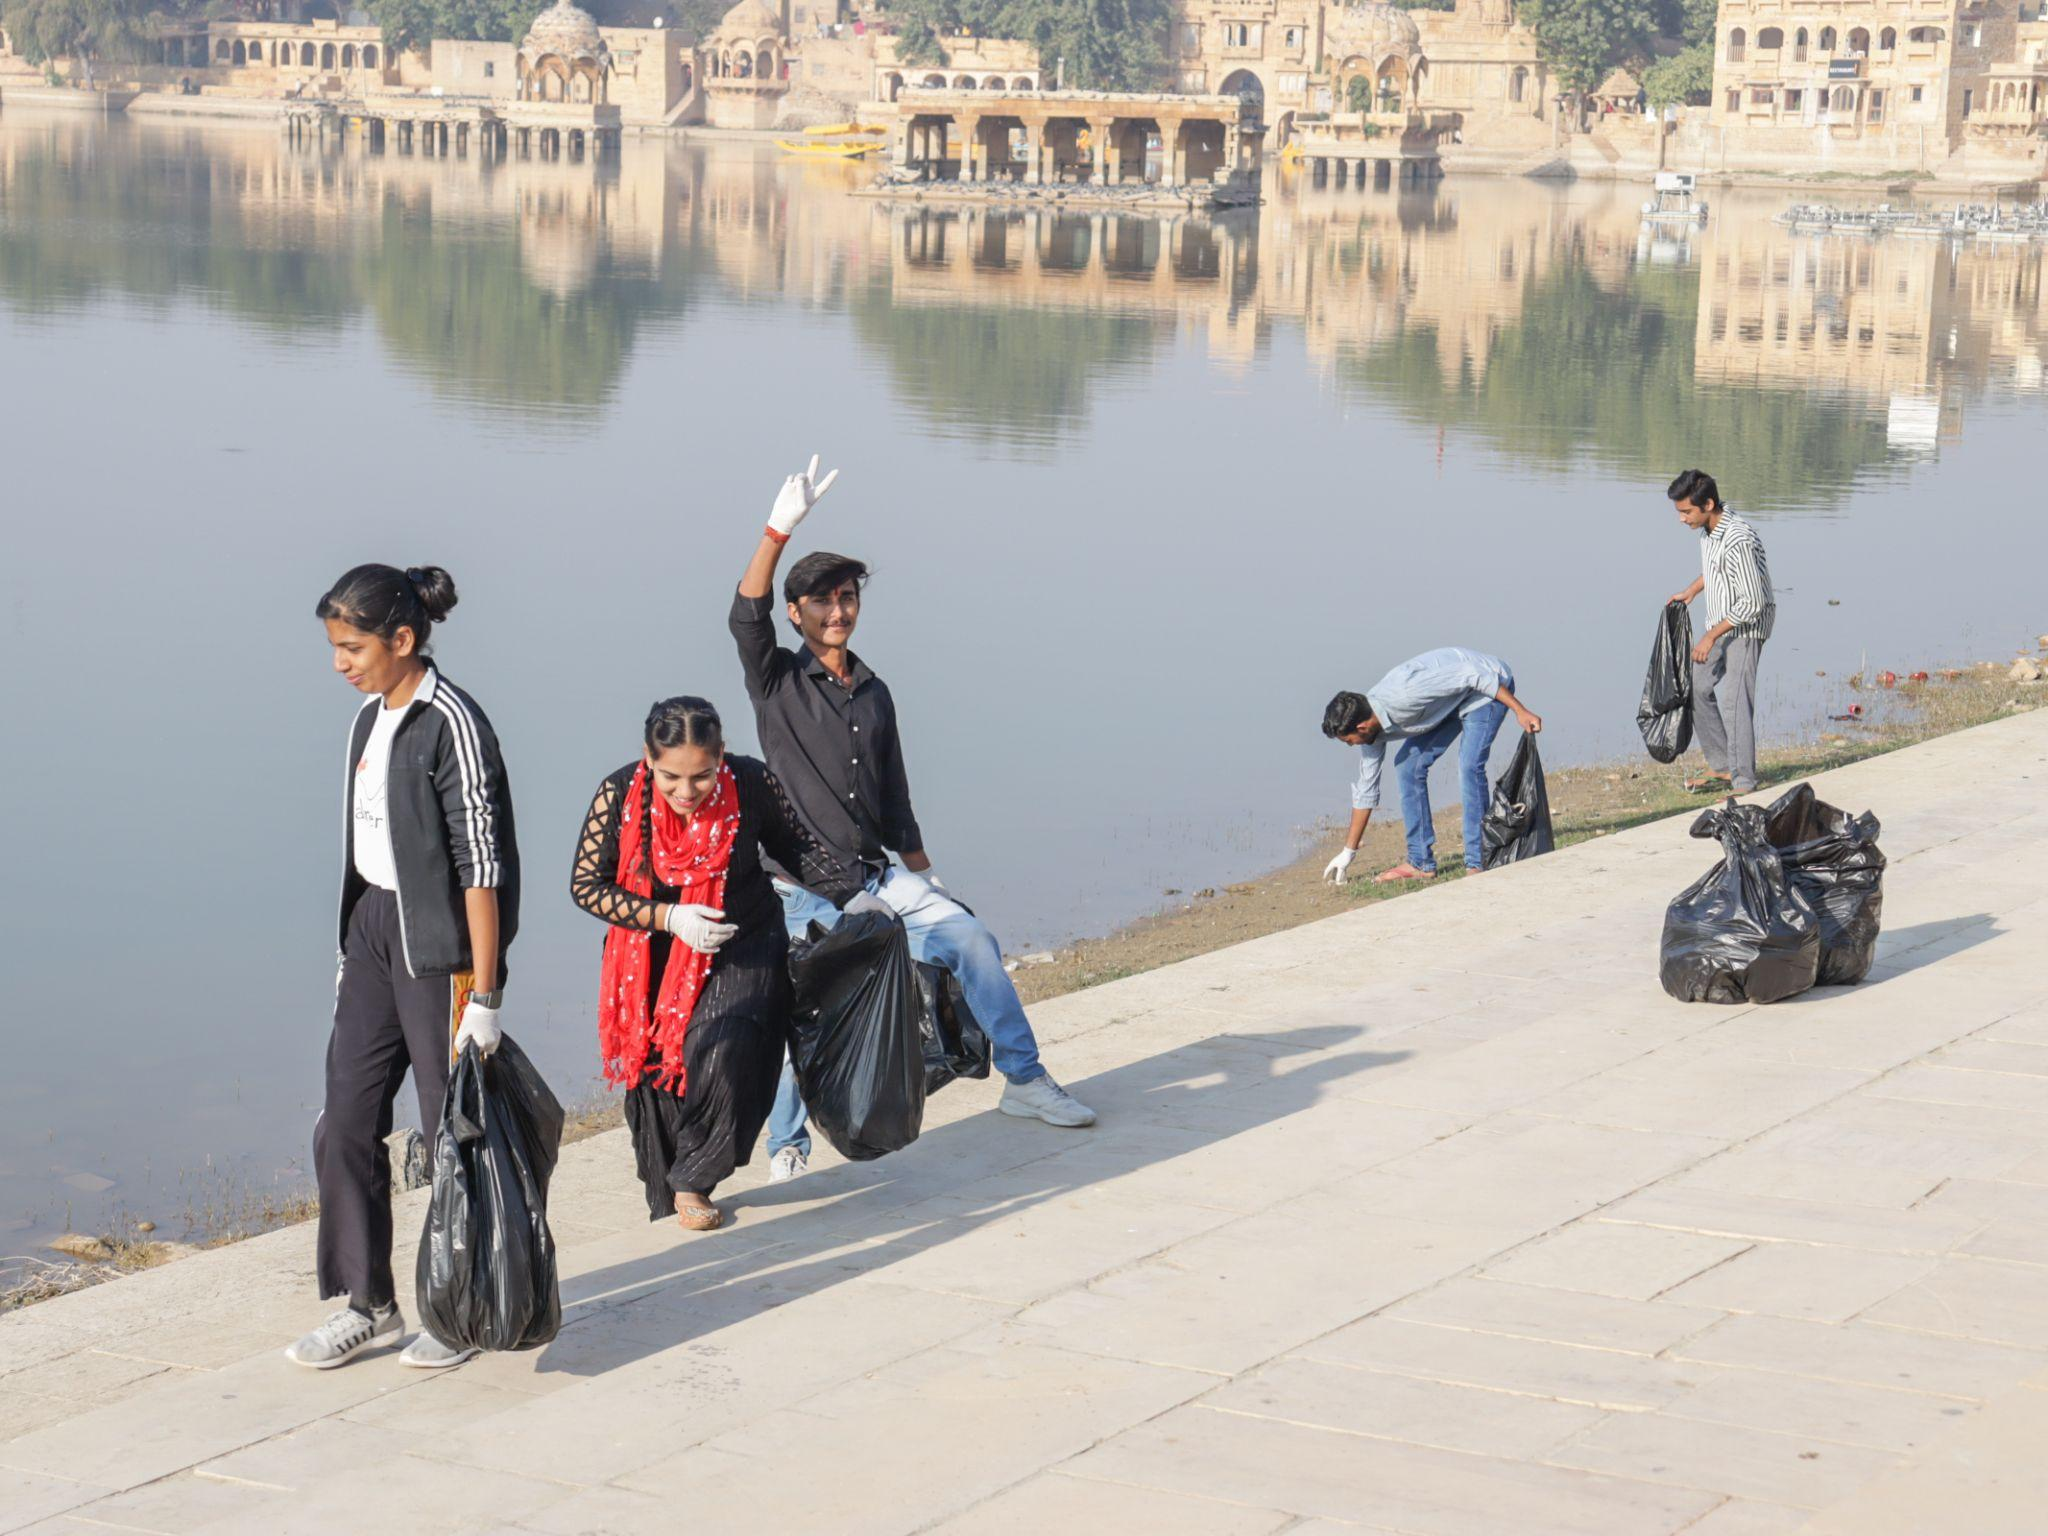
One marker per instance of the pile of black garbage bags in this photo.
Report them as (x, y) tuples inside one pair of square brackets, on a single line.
[(1794, 902), (875, 1032)]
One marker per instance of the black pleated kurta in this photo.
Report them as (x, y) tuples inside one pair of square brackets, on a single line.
[(732, 1051)]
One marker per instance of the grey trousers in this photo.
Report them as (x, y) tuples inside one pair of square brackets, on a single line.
[(1724, 708)]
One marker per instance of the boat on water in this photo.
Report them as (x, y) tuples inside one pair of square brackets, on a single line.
[(835, 141), (1674, 200), (1967, 221)]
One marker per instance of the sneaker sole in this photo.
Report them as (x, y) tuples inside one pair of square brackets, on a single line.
[(438, 1365), (340, 1360), (1020, 1112)]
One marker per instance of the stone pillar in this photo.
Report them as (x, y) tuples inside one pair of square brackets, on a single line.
[(973, 157), (1172, 165), (1034, 152), (1098, 149)]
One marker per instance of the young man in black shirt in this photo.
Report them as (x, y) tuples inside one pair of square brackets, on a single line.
[(828, 730)]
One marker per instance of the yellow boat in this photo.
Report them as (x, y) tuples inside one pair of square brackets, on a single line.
[(843, 151), (829, 130)]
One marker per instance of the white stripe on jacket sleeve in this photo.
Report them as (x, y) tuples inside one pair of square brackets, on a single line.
[(479, 816)]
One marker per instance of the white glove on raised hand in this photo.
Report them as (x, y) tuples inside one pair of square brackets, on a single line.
[(798, 495), (699, 927), (479, 1028), (1336, 871)]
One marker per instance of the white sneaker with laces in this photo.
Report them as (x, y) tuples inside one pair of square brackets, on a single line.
[(427, 1353), (1044, 1099), (787, 1164), (343, 1336)]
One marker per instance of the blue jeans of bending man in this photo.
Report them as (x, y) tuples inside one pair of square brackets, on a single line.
[(941, 933), (1474, 734)]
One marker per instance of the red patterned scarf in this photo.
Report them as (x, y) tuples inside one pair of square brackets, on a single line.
[(693, 855)]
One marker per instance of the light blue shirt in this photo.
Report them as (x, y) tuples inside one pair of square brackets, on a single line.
[(1418, 696)]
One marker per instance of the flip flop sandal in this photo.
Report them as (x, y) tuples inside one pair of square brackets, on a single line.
[(697, 1219)]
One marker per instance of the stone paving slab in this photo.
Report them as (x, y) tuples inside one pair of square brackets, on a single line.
[(1436, 1218)]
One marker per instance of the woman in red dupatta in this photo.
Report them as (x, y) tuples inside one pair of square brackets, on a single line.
[(693, 1007)]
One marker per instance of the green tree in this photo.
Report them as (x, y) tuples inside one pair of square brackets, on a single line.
[(1358, 94), (1097, 44), (1685, 78), (89, 31), (1581, 40), (415, 23)]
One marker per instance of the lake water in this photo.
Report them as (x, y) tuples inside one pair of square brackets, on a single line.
[(1140, 495)]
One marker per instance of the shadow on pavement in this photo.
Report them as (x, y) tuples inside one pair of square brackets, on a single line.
[(872, 1215)]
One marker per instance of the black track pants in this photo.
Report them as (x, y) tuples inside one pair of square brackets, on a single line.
[(384, 1021)]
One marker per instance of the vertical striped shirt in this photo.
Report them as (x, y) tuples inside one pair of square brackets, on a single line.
[(1738, 579)]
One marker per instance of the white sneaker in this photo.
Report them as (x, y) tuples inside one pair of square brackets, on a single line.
[(787, 1164), (427, 1353), (1044, 1099), (344, 1336)]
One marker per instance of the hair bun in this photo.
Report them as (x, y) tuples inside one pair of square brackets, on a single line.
[(435, 587)]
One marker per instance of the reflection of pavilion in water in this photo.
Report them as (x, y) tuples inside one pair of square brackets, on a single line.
[(1348, 270), (1911, 325)]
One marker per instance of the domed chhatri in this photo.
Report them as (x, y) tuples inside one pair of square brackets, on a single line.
[(750, 18), (566, 31), (1371, 27)]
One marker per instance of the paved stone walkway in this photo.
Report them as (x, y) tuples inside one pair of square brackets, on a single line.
[(1436, 1217)]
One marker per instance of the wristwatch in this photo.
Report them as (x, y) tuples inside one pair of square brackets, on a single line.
[(495, 998)]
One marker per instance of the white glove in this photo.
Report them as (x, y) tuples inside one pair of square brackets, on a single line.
[(931, 878), (867, 901), (1336, 871), (798, 495), (699, 927), (479, 1028)]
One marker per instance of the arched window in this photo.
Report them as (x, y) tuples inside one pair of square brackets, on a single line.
[(1799, 46), (1888, 39), (306, 54), (1023, 83), (963, 82), (348, 55), (1925, 35), (1845, 101), (1771, 39), (935, 82), (579, 88), (327, 56), (1859, 41), (994, 83), (1738, 46), (764, 64), (369, 55), (895, 84), (1518, 84), (222, 51), (1827, 39), (241, 55)]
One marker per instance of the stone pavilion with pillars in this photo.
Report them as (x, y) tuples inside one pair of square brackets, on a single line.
[(1082, 138), (744, 67)]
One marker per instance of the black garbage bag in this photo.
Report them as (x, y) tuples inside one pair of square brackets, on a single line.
[(1665, 714), (486, 1275), (955, 1044), (857, 1034), (1834, 861), (1742, 932), (1517, 821)]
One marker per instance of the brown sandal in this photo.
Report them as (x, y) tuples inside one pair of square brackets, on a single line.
[(694, 1218)]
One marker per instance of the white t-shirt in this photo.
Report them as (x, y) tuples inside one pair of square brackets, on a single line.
[(374, 860)]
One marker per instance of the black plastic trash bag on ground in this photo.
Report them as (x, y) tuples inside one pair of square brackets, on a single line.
[(857, 1034), (1665, 715), (1742, 932), (1517, 821), (1834, 861), (955, 1044), (486, 1275)]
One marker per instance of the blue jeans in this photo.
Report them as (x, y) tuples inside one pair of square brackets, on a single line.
[(941, 933), (1418, 754)]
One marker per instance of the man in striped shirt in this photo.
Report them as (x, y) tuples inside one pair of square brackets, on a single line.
[(1740, 615)]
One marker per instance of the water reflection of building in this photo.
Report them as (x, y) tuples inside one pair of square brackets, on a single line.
[(1910, 325)]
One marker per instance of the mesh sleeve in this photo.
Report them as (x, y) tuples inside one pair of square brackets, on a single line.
[(591, 885)]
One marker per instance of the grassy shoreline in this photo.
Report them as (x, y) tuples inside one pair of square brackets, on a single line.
[(1586, 802)]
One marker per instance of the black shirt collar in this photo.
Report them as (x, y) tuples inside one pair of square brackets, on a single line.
[(856, 673)]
